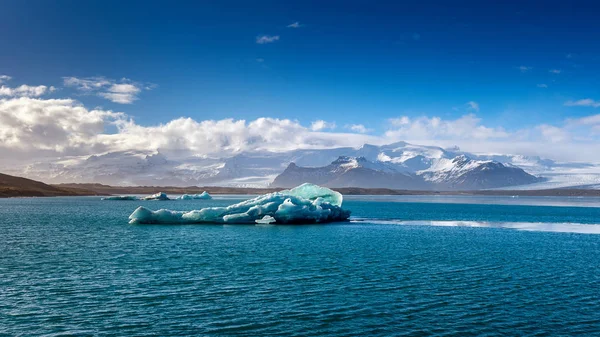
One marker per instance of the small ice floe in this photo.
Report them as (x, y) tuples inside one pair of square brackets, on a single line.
[(157, 196), (204, 195), (120, 197)]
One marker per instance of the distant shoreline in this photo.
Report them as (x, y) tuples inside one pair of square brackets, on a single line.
[(116, 190), (14, 187)]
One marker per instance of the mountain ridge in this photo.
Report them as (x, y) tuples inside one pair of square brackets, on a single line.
[(459, 173), (259, 169)]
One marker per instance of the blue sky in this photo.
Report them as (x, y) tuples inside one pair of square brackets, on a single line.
[(345, 62)]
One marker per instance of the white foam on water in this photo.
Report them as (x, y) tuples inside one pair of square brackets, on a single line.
[(556, 227)]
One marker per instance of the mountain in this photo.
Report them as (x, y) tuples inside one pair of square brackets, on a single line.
[(11, 186), (351, 172), (459, 173), (258, 169), (464, 173)]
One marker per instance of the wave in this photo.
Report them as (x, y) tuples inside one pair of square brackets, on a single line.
[(557, 227)]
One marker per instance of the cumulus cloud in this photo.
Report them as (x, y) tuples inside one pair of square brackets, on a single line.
[(123, 91), (25, 91), (32, 128), (294, 25), (264, 39), (358, 128), (31, 125), (321, 125), (584, 102), (422, 128), (4, 78)]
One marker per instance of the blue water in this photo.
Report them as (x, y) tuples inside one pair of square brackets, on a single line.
[(451, 266)]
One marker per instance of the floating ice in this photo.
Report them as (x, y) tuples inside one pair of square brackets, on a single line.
[(313, 192), (121, 197), (306, 203), (204, 195), (157, 196)]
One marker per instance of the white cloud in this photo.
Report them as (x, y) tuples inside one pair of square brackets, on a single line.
[(87, 84), (29, 125), (422, 128), (263, 39), (320, 125), (400, 121), (358, 128), (4, 78), (120, 98), (25, 91), (554, 134), (542, 85), (31, 128), (294, 25), (584, 102), (555, 71), (474, 106), (524, 69), (593, 120), (123, 91)]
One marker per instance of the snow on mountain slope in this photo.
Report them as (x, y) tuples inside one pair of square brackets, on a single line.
[(464, 173), (459, 173), (258, 169), (350, 172), (126, 168)]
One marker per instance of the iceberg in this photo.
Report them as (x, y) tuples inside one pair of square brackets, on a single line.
[(157, 196), (120, 197), (306, 203), (204, 195)]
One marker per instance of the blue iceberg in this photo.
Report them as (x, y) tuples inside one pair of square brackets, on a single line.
[(306, 203), (120, 197), (204, 195)]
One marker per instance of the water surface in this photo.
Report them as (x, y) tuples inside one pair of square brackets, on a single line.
[(402, 266)]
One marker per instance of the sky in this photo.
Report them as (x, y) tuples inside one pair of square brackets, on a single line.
[(85, 77)]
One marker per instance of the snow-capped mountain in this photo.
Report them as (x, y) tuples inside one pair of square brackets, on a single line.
[(351, 172), (464, 173), (432, 164), (459, 173)]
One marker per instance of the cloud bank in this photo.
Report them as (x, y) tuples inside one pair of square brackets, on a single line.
[(33, 127)]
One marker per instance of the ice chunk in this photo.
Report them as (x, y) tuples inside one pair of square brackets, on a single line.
[(157, 196), (267, 219), (120, 197), (204, 195), (312, 192), (304, 204)]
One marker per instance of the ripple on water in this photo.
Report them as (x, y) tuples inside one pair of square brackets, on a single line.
[(86, 272)]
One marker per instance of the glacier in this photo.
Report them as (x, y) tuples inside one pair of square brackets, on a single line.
[(306, 203), (121, 197), (204, 195)]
